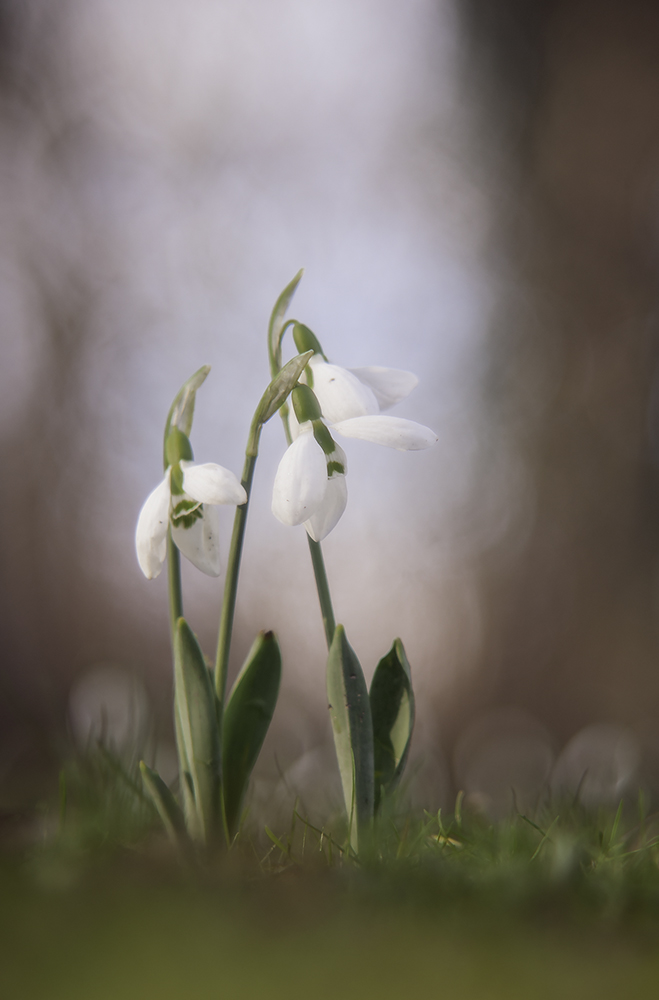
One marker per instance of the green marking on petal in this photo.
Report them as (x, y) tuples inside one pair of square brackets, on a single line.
[(323, 437), (186, 512), (335, 468)]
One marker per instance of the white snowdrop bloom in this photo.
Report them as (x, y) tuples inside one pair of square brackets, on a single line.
[(151, 530), (389, 385), (351, 401), (212, 483), (301, 481), (358, 392), (192, 514), (310, 486), (328, 513), (392, 432)]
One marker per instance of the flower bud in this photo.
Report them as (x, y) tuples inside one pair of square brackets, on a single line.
[(305, 404), (305, 340)]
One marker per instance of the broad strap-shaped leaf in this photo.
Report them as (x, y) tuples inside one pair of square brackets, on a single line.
[(195, 705), (247, 717), (182, 409), (280, 387), (392, 710), (166, 805), (185, 778), (277, 321), (350, 713)]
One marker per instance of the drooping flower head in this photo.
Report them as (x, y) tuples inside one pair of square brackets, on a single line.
[(185, 501), (352, 399), (351, 403), (309, 487)]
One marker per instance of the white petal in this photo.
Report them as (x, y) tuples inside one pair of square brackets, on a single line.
[(301, 481), (328, 514), (394, 432), (201, 542), (340, 393), (151, 530), (211, 483), (389, 385), (293, 423)]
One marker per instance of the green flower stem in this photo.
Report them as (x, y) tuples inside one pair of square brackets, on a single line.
[(233, 569), (175, 592), (272, 399), (317, 561), (276, 330), (322, 586), (275, 349)]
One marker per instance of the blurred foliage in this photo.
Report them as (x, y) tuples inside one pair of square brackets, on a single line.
[(97, 904), (566, 901)]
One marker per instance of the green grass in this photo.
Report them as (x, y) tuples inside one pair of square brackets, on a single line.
[(561, 903)]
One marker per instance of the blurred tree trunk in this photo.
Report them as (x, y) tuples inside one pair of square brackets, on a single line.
[(570, 597), (56, 618)]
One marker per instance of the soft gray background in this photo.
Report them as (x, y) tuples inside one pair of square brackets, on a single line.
[(473, 195)]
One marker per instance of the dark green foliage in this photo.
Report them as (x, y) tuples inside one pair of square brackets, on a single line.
[(195, 704), (247, 717), (350, 713), (167, 806), (392, 709)]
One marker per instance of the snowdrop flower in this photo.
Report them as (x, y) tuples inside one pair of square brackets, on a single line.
[(344, 393), (186, 500), (310, 486), (352, 400)]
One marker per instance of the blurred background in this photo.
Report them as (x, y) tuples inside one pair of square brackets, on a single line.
[(472, 190)]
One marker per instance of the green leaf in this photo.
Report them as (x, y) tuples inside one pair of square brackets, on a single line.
[(276, 324), (195, 705), (181, 411), (350, 713), (167, 806), (392, 710), (185, 781), (280, 387), (247, 717)]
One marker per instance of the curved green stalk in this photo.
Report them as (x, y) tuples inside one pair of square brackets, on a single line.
[(272, 400), (276, 330), (317, 561), (322, 586), (174, 582), (231, 582)]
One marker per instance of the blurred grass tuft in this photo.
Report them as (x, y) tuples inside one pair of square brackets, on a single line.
[(99, 905)]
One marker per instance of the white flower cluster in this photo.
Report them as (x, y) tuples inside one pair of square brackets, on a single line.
[(310, 485)]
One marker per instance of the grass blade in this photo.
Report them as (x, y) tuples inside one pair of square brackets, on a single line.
[(167, 807)]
